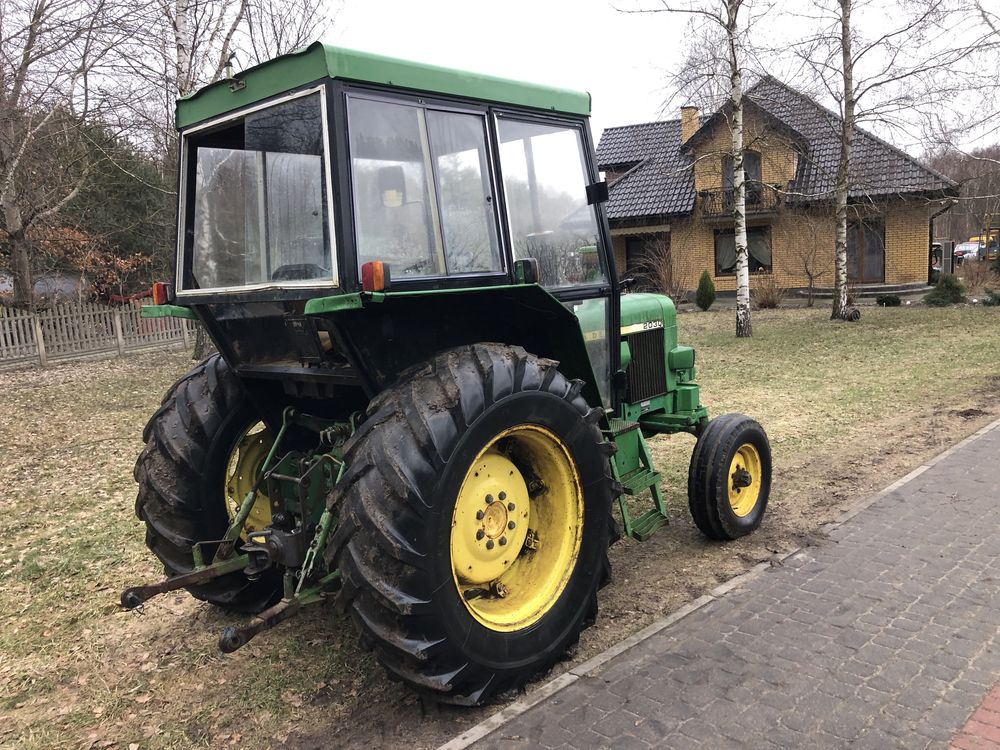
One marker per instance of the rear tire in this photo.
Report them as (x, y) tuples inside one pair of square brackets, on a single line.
[(407, 514), (729, 480), (181, 476)]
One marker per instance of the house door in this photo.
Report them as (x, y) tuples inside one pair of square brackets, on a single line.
[(866, 251)]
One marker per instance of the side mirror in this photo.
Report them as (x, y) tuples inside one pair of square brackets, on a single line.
[(392, 186)]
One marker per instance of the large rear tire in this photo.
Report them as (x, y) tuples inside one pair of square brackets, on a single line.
[(474, 522), (182, 476)]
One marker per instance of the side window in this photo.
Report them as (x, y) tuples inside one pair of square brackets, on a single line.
[(422, 196), (545, 184)]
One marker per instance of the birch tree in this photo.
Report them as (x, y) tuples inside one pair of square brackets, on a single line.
[(701, 77), (904, 61)]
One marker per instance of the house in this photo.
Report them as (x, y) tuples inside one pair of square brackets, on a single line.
[(671, 195)]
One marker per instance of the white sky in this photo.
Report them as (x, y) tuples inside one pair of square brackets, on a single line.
[(622, 59), (584, 45)]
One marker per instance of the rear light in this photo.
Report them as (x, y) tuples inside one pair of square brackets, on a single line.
[(161, 292), (375, 276)]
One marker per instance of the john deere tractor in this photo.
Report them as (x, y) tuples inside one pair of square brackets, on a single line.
[(430, 389)]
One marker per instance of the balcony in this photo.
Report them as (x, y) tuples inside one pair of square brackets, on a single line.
[(761, 200)]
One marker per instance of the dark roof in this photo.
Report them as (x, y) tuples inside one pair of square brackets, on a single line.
[(658, 181), (661, 182), (878, 169)]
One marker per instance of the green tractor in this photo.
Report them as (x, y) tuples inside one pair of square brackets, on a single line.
[(429, 390)]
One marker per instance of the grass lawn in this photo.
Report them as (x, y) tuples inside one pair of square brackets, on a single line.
[(848, 407)]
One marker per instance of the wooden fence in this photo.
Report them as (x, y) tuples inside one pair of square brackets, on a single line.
[(84, 331)]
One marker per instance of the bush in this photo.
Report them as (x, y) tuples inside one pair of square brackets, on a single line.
[(947, 291), (705, 295), (978, 275), (766, 294), (991, 298), (888, 300)]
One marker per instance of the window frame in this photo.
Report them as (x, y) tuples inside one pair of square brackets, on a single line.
[(185, 249), (605, 253), (428, 103), (719, 273)]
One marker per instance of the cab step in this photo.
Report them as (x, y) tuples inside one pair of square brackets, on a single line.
[(640, 481)]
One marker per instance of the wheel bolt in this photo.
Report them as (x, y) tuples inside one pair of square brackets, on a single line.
[(489, 544), (510, 506), (503, 496), (480, 534), (480, 515), (511, 525), (503, 541), (489, 499)]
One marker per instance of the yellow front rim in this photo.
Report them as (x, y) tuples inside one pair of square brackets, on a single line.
[(744, 480), (244, 464), (514, 550)]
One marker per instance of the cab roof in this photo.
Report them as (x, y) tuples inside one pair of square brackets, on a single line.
[(318, 61)]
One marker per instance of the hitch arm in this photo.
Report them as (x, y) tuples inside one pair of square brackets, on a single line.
[(135, 596)]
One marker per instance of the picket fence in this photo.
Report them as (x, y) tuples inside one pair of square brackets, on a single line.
[(84, 331)]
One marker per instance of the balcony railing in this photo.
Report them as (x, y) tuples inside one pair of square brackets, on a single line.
[(761, 198)]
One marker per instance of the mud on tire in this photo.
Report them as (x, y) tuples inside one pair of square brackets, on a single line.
[(181, 479), (395, 505)]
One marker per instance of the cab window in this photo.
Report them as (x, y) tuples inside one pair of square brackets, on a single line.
[(545, 185)]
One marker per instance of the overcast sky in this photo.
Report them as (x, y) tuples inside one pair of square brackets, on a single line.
[(624, 60), (580, 44)]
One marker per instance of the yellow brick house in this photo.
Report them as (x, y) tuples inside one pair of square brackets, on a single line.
[(670, 185)]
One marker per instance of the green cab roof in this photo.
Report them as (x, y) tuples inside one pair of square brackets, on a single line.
[(320, 60)]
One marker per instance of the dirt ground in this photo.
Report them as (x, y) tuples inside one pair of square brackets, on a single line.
[(848, 409)]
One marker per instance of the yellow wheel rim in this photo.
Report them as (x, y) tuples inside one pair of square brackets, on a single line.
[(513, 551), (241, 472), (744, 480)]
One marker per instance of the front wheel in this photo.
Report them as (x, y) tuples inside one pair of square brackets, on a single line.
[(474, 527), (729, 480)]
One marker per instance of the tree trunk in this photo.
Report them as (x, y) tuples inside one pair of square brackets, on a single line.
[(20, 253), (839, 310), (744, 329)]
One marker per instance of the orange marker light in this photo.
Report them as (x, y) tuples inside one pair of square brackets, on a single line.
[(374, 276), (160, 293)]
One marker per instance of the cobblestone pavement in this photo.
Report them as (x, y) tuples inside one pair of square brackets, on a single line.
[(886, 634)]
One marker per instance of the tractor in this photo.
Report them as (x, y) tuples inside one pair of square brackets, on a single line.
[(430, 388)]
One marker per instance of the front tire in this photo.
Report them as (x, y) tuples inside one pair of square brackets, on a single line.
[(729, 480), (461, 468)]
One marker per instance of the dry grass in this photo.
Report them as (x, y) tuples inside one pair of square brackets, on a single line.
[(847, 407)]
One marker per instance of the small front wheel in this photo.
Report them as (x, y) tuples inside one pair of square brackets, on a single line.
[(729, 480)]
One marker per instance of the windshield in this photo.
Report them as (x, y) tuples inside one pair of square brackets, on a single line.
[(967, 247), (545, 183), (423, 201), (258, 209)]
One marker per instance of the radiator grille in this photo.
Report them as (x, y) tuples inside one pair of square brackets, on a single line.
[(647, 373)]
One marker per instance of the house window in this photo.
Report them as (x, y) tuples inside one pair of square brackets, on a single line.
[(644, 251), (758, 247), (751, 172), (866, 251)]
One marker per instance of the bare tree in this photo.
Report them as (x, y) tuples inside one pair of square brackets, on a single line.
[(51, 54), (906, 59), (702, 76)]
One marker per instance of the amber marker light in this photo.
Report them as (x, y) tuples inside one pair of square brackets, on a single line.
[(374, 276), (160, 293)]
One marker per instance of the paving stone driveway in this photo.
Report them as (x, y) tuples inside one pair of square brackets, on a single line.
[(886, 634)]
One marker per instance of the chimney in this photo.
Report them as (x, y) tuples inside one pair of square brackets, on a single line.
[(689, 122)]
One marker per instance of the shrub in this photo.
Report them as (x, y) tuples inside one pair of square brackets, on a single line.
[(977, 275), (766, 294), (991, 298), (705, 295), (888, 300), (947, 291)]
